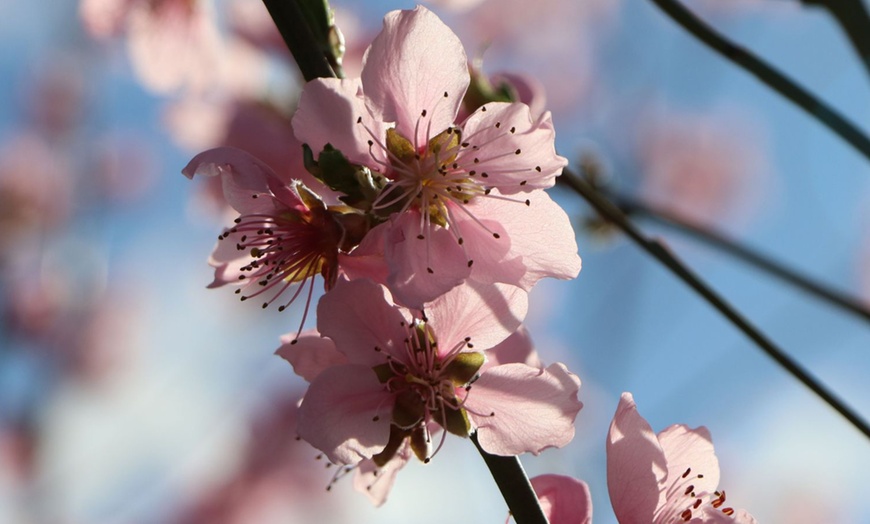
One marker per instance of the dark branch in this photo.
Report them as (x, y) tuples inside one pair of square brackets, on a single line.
[(612, 214), (717, 240), (767, 74), (514, 486), (300, 39), (853, 18)]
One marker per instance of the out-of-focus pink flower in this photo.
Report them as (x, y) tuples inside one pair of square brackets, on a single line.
[(669, 477), (277, 478), (172, 43), (382, 376), (282, 237), (455, 194), (565, 500), (35, 190), (699, 168), (553, 41)]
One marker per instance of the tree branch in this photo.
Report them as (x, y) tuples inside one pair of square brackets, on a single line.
[(719, 241), (611, 213), (767, 74), (514, 486)]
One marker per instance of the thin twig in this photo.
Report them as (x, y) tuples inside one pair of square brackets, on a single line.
[(632, 207), (611, 213), (514, 486), (853, 17), (767, 74)]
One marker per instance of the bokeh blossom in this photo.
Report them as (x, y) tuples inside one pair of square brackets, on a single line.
[(669, 477), (453, 192), (383, 377)]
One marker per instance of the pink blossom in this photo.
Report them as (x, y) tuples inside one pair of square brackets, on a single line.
[(171, 43), (669, 477), (564, 500), (383, 377), (451, 190), (284, 234)]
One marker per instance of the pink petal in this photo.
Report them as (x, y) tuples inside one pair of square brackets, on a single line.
[(422, 269), (367, 259), (533, 408), (173, 44), (529, 90), (565, 500), (517, 348), (407, 70), (359, 317), (376, 482), (517, 153), (329, 112), (493, 259), (636, 465), (346, 414), (540, 235), (481, 315), (686, 448), (247, 181), (227, 261), (310, 355)]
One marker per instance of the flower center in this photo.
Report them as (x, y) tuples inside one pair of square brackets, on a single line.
[(429, 387), (684, 503)]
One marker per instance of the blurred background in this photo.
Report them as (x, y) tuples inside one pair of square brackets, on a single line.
[(129, 393)]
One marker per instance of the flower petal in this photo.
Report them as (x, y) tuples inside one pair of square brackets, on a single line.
[(690, 450), (517, 348), (565, 500), (346, 414), (409, 68), (422, 269), (359, 317), (636, 465), (330, 111), (540, 236), (310, 354), (376, 482), (481, 315), (518, 408), (246, 180), (517, 153)]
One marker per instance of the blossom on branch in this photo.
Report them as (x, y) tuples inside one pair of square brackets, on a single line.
[(385, 379), (283, 236), (460, 201), (664, 478)]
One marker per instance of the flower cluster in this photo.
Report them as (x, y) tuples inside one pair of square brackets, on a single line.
[(428, 231), (428, 222)]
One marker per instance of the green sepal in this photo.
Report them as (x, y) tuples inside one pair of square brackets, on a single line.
[(464, 367), (359, 186), (457, 422), (420, 443), (409, 409), (481, 91), (397, 435), (384, 372), (399, 146)]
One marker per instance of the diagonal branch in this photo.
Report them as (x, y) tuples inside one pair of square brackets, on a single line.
[(514, 486), (767, 74), (763, 262), (611, 213), (853, 17)]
